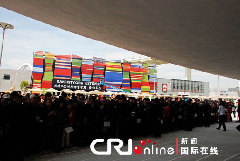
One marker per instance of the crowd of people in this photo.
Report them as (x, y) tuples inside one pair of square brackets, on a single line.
[(34, 123)]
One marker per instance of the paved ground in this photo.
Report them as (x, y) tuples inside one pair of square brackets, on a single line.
[(227, 142)]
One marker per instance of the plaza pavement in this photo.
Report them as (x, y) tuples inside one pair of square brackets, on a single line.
[(227, 143)]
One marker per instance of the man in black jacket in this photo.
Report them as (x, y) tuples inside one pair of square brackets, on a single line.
[(13, 119)]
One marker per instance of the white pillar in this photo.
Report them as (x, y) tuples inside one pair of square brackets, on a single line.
[(218, 91), (188, 74), (239, 86)]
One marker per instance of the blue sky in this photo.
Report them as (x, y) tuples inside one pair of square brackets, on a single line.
[(30, 35)]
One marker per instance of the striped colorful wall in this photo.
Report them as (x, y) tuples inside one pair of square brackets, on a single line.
[(76, 66), (126, 84), (118, 76), (48, 72), (98, 69), (37, 72), (136, 73), (145, 88), (152, 78), (113, 76), (62, 67), (87, 70)]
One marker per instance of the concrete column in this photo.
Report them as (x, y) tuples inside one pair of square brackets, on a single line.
[(239, 86), (188, 74)]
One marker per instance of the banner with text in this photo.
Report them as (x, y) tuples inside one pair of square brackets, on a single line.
[(60, 84)]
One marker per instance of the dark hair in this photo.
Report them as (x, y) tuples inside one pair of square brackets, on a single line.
[(48, 94), (14, 94), (222, 103), (64, 94), (28, 95)]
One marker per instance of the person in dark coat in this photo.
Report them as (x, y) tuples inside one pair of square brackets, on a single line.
[(188, 115), (207, 113), (13, 150), (157, 115), (60, 122), (123, 113)]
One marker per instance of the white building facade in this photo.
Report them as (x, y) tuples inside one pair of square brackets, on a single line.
[(182, 87), (11, 79)]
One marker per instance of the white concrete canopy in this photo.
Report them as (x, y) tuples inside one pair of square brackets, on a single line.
[(198, 34)]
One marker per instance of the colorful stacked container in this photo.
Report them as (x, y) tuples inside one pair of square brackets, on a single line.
[(98, 69), (76, 66), (136, 74), (126, 85), (62, 67), (48, 73), (113, 76), (37, 72), (152, 78), (87, 70), (145, 88)]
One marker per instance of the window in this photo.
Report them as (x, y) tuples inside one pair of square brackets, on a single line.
[(174, 85), (6, 77)]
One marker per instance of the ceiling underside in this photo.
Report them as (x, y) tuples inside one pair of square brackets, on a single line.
[(198, 34)]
